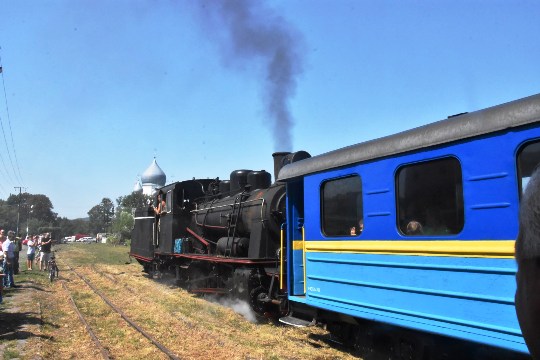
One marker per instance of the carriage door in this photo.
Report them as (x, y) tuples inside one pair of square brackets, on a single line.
[(295, 245)]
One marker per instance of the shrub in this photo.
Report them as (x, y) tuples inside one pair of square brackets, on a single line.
[(113, 239)]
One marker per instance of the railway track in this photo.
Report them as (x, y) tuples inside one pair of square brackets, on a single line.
[(190, 327), (99, 345), (105, 354)]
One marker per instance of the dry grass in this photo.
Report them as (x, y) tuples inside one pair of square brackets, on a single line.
[(190, 326)]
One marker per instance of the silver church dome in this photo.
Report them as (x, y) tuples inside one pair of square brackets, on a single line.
[(154, 175), (138, 187)]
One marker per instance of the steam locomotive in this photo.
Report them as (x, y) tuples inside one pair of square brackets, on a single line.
[(220, 236), (331, 240)]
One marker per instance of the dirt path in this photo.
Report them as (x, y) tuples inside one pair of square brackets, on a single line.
[(21, 321)]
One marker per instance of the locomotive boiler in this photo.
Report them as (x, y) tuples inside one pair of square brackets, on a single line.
[(245, 223)]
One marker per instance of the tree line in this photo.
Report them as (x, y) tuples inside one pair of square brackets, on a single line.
[(33, 214)]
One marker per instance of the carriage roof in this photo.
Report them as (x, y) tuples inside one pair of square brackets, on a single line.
[(505, 116)]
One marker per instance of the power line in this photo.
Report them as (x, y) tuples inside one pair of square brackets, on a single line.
[(2, 189), (18, 172), (4, 164), (11, 133), (7, 148), (5, 169)]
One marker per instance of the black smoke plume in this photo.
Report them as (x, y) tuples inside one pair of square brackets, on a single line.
[(247, 30)]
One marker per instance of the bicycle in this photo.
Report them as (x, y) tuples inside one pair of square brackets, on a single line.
[(53, 268)]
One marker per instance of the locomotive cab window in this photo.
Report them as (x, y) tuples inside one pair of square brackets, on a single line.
[(430, 198), (527, 160), (168, 201), (342, 213)]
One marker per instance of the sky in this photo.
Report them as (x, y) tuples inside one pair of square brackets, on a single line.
[(92, 90)]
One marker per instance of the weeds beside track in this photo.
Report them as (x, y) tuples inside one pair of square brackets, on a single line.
[(132, 323)]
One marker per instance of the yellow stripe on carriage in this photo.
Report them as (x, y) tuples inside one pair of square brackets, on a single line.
[(281, 251), (455, 248)]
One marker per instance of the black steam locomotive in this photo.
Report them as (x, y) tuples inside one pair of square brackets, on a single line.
[(220, 236)]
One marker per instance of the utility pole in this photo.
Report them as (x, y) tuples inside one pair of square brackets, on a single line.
[(18, 208), (29, 211)]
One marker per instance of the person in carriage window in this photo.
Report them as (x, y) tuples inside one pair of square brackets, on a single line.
[(414, 228)]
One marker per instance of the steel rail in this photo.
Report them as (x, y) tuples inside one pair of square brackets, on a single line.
[(156, 343), (105, 354)]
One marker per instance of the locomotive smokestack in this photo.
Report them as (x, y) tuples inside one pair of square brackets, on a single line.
[(283, 158), (248, 31)]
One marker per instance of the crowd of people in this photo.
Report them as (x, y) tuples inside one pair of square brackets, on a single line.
[(38, 248)]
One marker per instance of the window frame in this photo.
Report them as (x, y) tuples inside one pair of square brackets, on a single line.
[(168, 201), (359, 210), (459, 208), (519, 168)]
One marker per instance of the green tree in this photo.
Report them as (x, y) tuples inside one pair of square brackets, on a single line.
[(133, 201), (100, 216), (71, 227), (122, 225), (8, 216), (33, 211), (113, 240)]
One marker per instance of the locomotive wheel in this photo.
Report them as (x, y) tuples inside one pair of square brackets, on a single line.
[(156, 273), (147, 268), (196, 279), (258, 297)]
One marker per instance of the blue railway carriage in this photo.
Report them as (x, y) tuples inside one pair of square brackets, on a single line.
[(416, 229)]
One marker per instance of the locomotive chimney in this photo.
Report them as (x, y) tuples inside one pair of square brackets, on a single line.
[(278, 162), (284, 158)]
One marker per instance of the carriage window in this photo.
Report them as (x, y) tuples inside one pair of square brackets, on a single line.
[(430, 198), (528, 158), (342, 213)]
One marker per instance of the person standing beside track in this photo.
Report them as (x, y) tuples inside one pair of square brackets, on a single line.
[(9, 259), (2, 239), (39, 238), (528, 261), (45, 254), (17, 243), (30, 252)]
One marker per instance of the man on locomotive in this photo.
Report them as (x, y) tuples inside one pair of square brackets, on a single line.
[(528, 261), (161, 206), (158, 210)]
